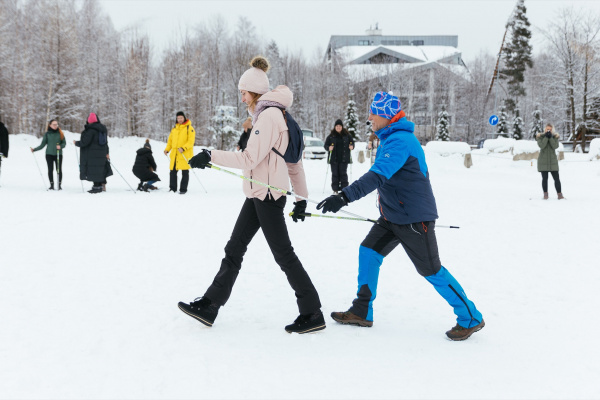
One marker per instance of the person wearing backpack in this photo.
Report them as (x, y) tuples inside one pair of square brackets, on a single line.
[(94, 161), (339, 143), (263, 209), (144, 167), (181, 141)]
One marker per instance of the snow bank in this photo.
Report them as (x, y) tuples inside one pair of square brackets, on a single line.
[(525, 146), (595, 149), (499, 145), (445, 149)]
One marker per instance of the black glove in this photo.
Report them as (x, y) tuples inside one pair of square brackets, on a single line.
[(299, 208), (548, 134), (333, 203), (200, 160)]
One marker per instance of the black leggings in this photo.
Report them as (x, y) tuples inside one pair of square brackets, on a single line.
[(268, 216), (556, 181), (51, 160)]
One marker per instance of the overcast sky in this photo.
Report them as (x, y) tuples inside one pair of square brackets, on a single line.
[(308, 24)]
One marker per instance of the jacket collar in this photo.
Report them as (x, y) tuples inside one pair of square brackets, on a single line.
[(401, 125)]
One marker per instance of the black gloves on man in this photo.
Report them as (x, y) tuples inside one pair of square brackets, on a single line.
[(333, 203), (201, 159), (299, 209)]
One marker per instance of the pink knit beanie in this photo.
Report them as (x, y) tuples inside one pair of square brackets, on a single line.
[(255, 79), (92, 118)]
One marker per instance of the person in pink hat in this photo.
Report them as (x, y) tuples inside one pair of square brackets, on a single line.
[(262, 208), (94, 162)]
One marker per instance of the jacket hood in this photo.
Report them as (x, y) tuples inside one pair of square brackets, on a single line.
[(186, 122), (281, 94), (97, 126), (402, 125), (143, 150), (540, 134)]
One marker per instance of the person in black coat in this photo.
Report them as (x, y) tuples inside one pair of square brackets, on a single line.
[(243, 142), (3, 142), (339, 143), (95, 159), (144, 168)]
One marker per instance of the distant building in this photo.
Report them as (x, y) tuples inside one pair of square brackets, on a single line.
[(422, 70)]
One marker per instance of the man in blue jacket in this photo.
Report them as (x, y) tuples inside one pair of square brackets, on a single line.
[(408, 214)]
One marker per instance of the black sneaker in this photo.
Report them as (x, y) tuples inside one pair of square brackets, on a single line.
[(306, 323), (51, 186), (202, 309), (95, 189)]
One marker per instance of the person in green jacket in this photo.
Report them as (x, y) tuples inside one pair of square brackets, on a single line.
[(547, 160), (54, 141)]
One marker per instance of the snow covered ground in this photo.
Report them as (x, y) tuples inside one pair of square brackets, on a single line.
[(89, 286)]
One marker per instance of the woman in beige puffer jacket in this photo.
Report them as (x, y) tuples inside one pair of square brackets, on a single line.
[(263, 208)]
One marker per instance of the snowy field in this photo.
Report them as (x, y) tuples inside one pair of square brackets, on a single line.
[(89, 286)]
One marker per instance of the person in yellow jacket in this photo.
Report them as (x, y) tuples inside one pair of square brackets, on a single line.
[(181, 145)]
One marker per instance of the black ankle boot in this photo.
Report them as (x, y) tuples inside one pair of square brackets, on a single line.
[(306, 323), (51, 186), (201, 309)]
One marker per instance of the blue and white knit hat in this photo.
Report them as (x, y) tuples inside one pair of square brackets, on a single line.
[(385, 105)]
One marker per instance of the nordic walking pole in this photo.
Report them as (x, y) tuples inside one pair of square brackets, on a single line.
[(58, 166), (38, 166), (77, 155), (359, 219), (186, 160), (286, 192), (113, 165), (326, 170)]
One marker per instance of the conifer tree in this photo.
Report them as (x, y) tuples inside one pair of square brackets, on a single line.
[(443, 134), (502, 121), (351, 119), (517, 126), (536, 124)]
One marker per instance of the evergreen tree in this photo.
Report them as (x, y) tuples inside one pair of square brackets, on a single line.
[(443, 134), (351, 120), (502, 121), (536, 124), (517, 54), (517, 126), (222, 126)]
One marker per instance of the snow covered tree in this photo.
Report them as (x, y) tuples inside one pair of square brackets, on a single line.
[(517, 126), (351, 119), (222, 126), (517, 54), (502, 121), (536, 124), (443, 134)]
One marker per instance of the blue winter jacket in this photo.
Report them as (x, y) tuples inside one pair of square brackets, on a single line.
[(400, 174)]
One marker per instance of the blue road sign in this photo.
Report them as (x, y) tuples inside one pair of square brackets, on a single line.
[(493, 120)]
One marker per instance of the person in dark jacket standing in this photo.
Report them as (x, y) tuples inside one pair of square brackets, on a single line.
[(54, 141), (144, 167), (95, 165), (547, 160), (339, 143), (408, 214), (3, 143), (243, 142)]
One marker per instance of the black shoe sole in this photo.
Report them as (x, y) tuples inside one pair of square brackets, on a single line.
[(468, 336), (205, 322), (310, 330)]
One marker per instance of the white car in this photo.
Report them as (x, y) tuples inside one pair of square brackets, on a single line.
[(314, 148)]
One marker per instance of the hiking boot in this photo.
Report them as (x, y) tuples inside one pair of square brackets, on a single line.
[(306, 323), (145, 187), (51, 186), (560, 196), (459, 333), (152, 187), (140, 186), (183, 192), (59, 185), (349, 318), (95, 189), (201, 309), (545, 195)]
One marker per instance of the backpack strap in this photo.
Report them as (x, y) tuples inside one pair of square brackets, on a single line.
[(285, 120)]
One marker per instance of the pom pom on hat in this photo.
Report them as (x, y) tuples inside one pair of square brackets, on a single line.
[(255, 79), (385, 105)]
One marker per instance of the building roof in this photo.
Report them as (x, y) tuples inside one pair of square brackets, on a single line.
[(366, 72), (406, 54)]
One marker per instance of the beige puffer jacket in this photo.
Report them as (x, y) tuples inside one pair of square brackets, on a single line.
[(258, 161)]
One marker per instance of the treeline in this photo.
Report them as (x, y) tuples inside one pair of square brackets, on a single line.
[(63, 59)]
